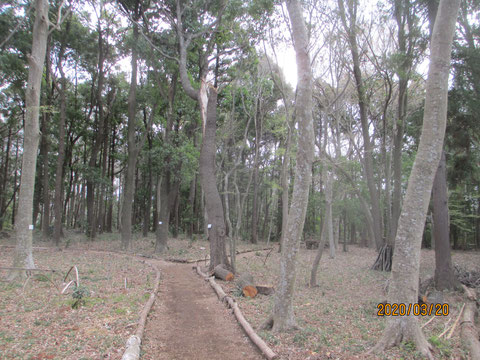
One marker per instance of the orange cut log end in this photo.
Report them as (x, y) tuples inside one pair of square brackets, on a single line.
[(230, 277), (250, 291)]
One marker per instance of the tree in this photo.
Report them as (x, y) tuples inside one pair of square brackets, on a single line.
[(283, 317), (406, 259), (205, 95), (23, 257), (350, 25), (444, 276), (136, 8), (59, 175)]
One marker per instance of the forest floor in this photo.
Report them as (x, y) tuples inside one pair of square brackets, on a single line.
[(337, 320)]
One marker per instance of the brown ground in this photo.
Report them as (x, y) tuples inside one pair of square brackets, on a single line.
[(337, 320), (188, 322)]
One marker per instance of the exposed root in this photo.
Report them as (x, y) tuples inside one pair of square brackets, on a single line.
[(399, 330)]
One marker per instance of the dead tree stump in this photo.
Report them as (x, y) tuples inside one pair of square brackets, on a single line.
[(246, 284)]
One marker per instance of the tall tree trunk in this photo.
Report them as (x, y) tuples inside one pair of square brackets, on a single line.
[(327, 230), (91, 229), (163, 210), (285, 185), (283, 316), (350, 28), (4, 182), (258, 139), (148, 202), (44, 151), (403, 16), (213, 203), (111, 196), (406, 259), (133, 150), (23, 257), (191, 207), (58, 201), (444, 276)]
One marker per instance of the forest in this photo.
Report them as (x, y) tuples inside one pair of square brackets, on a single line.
[(315, 161)]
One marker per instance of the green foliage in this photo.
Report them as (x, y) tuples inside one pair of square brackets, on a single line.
[(441, 345), (79, 295)]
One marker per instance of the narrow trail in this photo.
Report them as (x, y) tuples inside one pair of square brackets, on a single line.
[(187, 322)]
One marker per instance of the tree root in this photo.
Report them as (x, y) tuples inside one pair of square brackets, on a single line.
[(400, 330)]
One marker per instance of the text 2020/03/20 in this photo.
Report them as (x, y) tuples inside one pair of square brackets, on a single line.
[(386, 309)]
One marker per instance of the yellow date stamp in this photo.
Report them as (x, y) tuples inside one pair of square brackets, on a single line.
[(386, 309)]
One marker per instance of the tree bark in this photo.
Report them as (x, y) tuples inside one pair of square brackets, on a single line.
[(23, 257), (406, 259), (213, 203), (133, 149), (283, 315), (163, 215), (326, 229), (58, 201), (350, 28), (45, 150), (403, 15), (91, 229), (5, 175), (444, 276)]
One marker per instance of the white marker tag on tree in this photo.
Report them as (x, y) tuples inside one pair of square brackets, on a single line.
[(209, 226), (160, 223), (30, 227)]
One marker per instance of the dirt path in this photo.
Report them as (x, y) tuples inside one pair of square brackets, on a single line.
[(188, 322)]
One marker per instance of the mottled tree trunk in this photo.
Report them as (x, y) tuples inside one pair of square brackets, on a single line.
[(133, 150), (23, 257), (444, 276), (285, 186), (91, 229), (148, 202), (45, 150), (4, 181), (283, 315), (58, 201), (406, 259), (213, 204), (326, 228)]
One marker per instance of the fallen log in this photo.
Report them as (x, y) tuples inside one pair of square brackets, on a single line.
[(218, 289), (257, 340), (265, 289), (246, 285), (132, 351), (238, 252), (224, 274), (469, 331)]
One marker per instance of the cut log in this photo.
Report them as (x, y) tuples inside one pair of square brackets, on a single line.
[(246, 284), (265, 289), (470, 331), (257, 340), (221, 273), (250, 291)]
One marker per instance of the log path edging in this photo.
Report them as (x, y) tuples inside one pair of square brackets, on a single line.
[(230, 302), (132, 351)]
